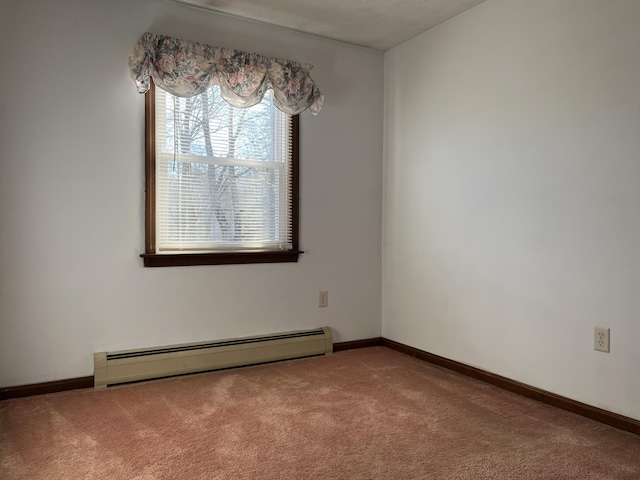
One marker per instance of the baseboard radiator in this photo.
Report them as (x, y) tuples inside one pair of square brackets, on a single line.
[(112, 368)]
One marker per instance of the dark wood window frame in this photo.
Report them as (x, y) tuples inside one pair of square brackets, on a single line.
[(153, 259)]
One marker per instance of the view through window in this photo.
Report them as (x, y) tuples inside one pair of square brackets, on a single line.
[(225, 177)]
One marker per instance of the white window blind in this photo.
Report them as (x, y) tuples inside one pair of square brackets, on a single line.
[(223, 175)]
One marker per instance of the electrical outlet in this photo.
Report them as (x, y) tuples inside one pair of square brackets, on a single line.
[(601, 339), (323, 298)]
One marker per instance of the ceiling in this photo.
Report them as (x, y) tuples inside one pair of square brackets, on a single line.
[(376, 24)]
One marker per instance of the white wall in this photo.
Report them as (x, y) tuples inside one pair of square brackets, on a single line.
[(71, 194), (512, 194)]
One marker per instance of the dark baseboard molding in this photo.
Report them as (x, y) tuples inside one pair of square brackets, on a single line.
[(47, 387), (579, 408), (87, 382), (594, 413), (368, 342)]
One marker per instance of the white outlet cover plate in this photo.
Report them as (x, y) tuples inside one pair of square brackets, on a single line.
[(601, 339), (323, 298)]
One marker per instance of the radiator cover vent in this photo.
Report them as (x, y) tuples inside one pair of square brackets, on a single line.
[(112, 368)]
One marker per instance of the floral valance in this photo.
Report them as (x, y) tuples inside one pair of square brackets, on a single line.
[(185, 69)]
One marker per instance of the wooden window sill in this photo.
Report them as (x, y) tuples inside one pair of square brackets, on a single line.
[(231, 258)]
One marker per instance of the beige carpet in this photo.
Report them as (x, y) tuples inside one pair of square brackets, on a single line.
[(361, 414)]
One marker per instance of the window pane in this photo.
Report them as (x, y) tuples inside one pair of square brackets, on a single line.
[(206, 125), (223, 175)]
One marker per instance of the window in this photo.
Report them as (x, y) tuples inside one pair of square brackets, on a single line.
[(221, 182)]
